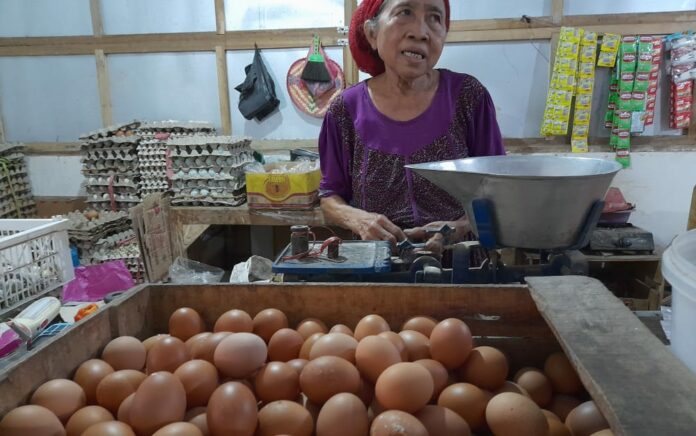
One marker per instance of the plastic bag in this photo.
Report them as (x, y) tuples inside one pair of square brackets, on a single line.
[(94, 282), (189, 271), (257, 97), (255, 269)]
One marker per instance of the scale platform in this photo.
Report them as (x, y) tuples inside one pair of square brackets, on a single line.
[(355, 258)]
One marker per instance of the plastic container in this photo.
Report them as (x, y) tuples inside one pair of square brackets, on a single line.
[(679, 268), (34, 259)]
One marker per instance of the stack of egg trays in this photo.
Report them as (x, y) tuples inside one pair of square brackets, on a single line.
[(112, 152), (85, 233), (14, 177), (152, 150), (120, 246), (209, 171)]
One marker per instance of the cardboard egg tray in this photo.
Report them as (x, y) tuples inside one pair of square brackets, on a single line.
[(16, 199), (209, 171), (125, 129)]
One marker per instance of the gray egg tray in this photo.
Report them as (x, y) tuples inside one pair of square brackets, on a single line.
[(16, 199)]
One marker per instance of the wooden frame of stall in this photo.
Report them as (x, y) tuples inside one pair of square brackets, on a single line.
[(640, 387)]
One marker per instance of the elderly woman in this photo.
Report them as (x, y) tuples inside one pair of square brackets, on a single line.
[(408, 112)]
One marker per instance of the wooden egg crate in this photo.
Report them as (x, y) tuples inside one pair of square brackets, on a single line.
[(639, 386)]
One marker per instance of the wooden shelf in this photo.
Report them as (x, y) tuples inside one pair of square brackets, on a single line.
[(625, 258), (242, 215)]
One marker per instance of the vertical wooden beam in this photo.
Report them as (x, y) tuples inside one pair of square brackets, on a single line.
[(220, 16), (223, 90), (553, 46), (692, 127), (104, 88), (2, 130), (97, 23), (350, 69), (557, 11)]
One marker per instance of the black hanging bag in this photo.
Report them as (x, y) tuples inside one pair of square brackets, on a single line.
[(257, 97)]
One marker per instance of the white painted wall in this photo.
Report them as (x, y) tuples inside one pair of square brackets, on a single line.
[(55, 176)]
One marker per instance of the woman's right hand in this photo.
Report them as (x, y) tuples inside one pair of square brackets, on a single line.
[(369, 226)]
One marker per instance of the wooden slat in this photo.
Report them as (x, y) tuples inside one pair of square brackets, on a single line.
[(104, 88), (640, 387), (97, 22), (223, 90), (241, 215), (461, 31), (2, 129), (691, 223), (220, 16), (557, 11), (350, 68)]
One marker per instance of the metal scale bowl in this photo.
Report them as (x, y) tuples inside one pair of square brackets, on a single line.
[(545, 203)]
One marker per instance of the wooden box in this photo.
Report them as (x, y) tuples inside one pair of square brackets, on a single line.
[(641, 388)]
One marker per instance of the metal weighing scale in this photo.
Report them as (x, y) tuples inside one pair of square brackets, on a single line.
[(545, 204)]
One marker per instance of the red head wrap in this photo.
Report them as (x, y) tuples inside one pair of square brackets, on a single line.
[(366, 58)]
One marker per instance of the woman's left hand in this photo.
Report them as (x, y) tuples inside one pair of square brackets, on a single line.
[(436, 242)]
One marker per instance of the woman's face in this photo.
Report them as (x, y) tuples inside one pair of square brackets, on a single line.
[(409, 35)]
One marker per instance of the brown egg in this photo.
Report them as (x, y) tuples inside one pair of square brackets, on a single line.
[(561, 405), (232, 410), (398, 342), (366, 392), (510, 414), (562, 375), (451, 343), (420, 324), (486, 367), (31, 420), (605, 432), (205, 349), (327, 376), (536, 384), (194, 340), (550, 415), (200, 421), (61, 396), (269, 321), (335, 344), (396, 422), (373, 355), (179, 429), (88, 376), (125, 352), (159, 400), (285, 345), (370, 325), (442, 421), (417, 345), (149, 342), (509, 386), (341, 328), (298, 364), (167, 354), (185, 323), (109, 428), (234, 321), (343, 415), (284, 417), (309, 326), (308, 344), (200, 379), (556, 427), (240, 355), (277, 381), (586, 419), (439, 374), (405, 386), (193, 412), (468, 401), (85, 418), (123, 414), (312, 408)]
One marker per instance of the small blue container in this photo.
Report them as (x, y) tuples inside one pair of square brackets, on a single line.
[(75, 256)]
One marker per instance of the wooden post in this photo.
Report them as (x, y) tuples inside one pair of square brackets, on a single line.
[(223, 90), (2, 129), (104, 91), (97, 23), (557, 12), (220, 16), (350, 69), (692, 212)]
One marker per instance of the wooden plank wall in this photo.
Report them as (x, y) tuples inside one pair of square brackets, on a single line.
[(221, 41)]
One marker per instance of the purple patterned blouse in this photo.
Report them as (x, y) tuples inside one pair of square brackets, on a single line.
[(363, 152)]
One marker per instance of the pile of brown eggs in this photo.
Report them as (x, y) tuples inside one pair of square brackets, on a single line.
[(259, 377)]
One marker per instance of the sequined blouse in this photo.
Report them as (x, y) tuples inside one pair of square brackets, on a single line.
[(363, 152)]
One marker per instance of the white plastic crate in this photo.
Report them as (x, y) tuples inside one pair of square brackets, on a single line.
[(34, 259)]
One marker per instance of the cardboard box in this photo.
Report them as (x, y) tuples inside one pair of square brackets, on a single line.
[(283, 190)]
